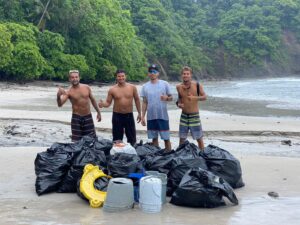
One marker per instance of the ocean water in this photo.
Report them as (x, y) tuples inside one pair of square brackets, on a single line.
[(277, 93)]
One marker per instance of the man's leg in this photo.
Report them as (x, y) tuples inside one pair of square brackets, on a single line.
[(155, 142), (152, 131), (88, 127), (168, 146), (196, 131), (117, 127), (76, 127), (130, 129), (181, 140), (200, 143), (183, 128)]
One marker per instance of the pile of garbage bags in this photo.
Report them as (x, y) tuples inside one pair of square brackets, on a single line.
[(195, 178)]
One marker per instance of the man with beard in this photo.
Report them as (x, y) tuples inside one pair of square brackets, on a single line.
[(123, 94), (156, 93), (80, 96), (190, 93)]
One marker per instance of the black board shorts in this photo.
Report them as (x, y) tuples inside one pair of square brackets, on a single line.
[(123, 122)]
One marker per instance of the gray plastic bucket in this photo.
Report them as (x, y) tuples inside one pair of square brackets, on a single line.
[(119, 195), (150, 194), (164, 179)]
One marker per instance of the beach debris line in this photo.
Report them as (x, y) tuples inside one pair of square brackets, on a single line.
[(286, 142), (273, 194)]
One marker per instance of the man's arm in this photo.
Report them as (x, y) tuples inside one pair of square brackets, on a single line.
[(62, 97), (94, 103), (168, 97), (137, 103), (108, 100), (202, 96), (144, 110), (179, 101)]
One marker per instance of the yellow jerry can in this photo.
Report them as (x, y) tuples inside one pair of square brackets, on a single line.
[(90, 174)]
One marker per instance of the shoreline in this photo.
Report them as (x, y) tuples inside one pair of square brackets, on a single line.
[(41, 96), (267, 165)]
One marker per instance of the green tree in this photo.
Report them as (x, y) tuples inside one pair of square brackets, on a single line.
[(6, 46), (27, 62)]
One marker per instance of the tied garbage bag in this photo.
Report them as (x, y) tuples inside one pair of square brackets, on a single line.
[(147, 149), (103, 145), (186, 157), (187, 150), (122, 164), (224, 164), (201, 188), (88, 154), (50, 168), (179, 167), (160, 162)]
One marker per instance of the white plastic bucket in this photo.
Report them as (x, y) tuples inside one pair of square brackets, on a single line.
[(119, 195), (164, 181), (150, 194)]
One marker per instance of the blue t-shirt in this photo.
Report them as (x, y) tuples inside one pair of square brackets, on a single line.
[(156, 109)]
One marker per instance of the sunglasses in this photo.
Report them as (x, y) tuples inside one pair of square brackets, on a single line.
[(153, 72)]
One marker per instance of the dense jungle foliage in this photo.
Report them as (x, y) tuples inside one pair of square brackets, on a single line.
[(43, 39)]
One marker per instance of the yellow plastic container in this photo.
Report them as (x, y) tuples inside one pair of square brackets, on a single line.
[(92, 173)]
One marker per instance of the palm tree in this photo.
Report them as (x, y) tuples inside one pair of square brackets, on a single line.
[(42, 21)]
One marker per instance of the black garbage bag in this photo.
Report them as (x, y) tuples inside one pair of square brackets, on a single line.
[(160, 162), (146, 149), (179, 167), (187, 150), (121, 164), (87, 155), (50, 168), (104, 145), (224, 164), (201, 188), (99, 184)]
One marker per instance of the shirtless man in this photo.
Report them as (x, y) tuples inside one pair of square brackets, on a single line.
[(188, 102), (123, 94), (80, 96)]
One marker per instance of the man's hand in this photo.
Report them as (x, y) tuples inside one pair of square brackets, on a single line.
[(100, 104), (164, 97), (98, 117), (61, 92), (180, 105), (143, 122), (138, 119), (192, 97)]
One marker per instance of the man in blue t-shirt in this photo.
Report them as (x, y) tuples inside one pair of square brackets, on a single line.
[(156, 93)]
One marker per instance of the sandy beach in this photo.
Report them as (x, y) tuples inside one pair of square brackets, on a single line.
[(267, 147)]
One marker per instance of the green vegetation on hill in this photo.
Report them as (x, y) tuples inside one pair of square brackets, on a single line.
[(43, 39)]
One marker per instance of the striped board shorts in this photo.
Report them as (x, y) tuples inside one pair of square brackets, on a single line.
[(81, 126), (190, 122)]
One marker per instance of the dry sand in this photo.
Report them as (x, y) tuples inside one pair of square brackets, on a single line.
[(267, 166)]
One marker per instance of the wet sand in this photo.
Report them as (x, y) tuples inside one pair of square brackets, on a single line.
[(20, 204), (29, 117)]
